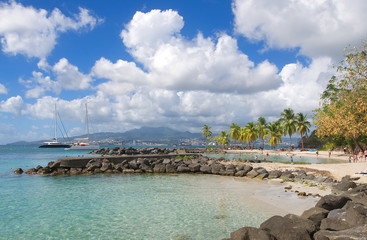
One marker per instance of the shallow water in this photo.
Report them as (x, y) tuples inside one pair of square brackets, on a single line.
[(147, 206)]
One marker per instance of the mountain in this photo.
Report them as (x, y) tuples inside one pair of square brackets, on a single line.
[(163, 135)]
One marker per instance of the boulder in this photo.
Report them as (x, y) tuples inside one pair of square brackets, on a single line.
[(247, 168), (315, 214), (330, 202), (93, 164), (252, 174), (285, 228), (166, 161), (133, 164), (240, 167), (54, 165), (159, 168), (146, 168), (334, 224), (274, 174), (183, 169), (206, 169), (344, 186), (31, 171), (106, 166), (251, 233), (300, 222), (18, 171), (240, 173), (170, 168), (217, 168), (262, 175), (194, 167), (356, 214), (261, 170), (351, 233), (287, 176)]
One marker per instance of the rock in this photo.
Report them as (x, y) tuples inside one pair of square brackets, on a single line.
[(183, 169), (285, 228), (118, 167), (261, 170), (159, 168), (128, 170), (300, 222), (133, 164), (315, 214), (170, 168), (31, 171), (351, 233), (146, 168), (333, 224), (302, 194), (262, 175), (274, 174), (166, 161), (240, 167), (206, 169), (287, 176), (356, 213), (251, 233), (343, 186), (217, 168), (247, 168), (252, 174), (194, 167), (18, 171), (54, 165), (75, 171), (330, 202), (240, 173), (93, 164), (106, 166), (288, 187)]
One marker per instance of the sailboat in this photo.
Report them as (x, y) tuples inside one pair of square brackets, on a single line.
[(54, 143), (83, 143)]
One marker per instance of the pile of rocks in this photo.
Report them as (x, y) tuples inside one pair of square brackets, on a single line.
[(334, 217), (133, 151)]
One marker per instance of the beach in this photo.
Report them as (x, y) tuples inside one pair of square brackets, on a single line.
[(336, 171)]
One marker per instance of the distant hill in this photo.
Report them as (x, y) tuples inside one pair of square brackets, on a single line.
[(148, 134)]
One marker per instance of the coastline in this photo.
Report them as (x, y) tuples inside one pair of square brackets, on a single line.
[(336, 171)]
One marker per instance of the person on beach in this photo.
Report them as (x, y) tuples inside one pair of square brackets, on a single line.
[(350, 159), (291, 159), (267, 154), (329, 152), (360, 155), (256, 157), (365, 154), (355, 157), (317, 153), (264, 159)]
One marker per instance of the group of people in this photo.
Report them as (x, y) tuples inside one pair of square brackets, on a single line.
[(357, 155)]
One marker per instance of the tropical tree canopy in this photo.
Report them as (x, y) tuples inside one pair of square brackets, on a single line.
[(343, 110), (274, 133), (234, 131), (288, 123), (206, 132), (261, 129), (302, 125)]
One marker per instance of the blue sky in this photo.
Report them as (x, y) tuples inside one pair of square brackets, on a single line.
[(180, 64)]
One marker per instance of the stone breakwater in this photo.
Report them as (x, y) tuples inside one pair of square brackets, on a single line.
[(341, 215)]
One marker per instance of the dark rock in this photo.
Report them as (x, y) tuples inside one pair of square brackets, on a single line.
[(166, 161), (315, 214), (217, 168), (93, 164), (285, 228), (260, 170), (348, 234), (183, 169), (338, 214), (344, 186), (334, 224), (170, 168), (240, 173), (309, 177), (31, 171), (118, 167), (251, 233), (18, 171), (133, 164), (356, 214), (146, 168), (194, 167), (106, 166), (286, 176), (262, 175), (75, 171), (331, 202), (252, 174), (206, 169), (274, 174), (300, 222), (247, 168), (240, 167), (159, 168), (54, 165)]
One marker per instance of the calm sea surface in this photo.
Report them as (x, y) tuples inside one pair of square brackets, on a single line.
[(147, 206)]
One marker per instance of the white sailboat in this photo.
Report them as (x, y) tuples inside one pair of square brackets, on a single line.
[(84, 143), (55, 143)]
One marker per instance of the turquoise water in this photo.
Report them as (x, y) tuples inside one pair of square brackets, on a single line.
[(119, 206)]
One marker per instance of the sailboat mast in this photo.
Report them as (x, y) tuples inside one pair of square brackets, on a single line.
[(86, 116), (55, 127)]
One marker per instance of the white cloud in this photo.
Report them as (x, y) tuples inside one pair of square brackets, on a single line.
[(67, 77), (317, 27), (175, 63), (3, 89), (13, 105), (33, 32)]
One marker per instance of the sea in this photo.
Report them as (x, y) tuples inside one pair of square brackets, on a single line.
[(129, 206)]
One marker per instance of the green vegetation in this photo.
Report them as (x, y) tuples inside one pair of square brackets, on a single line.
[(342, 116)]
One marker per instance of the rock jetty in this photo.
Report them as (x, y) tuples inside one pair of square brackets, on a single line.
[(341, 215)]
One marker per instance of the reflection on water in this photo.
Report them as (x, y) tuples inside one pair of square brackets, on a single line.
[(276, 158)]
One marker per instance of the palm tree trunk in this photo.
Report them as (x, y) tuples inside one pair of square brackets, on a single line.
[(302, 142)]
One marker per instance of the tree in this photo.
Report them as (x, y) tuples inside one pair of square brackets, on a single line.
[(302, 125), (242, 135), (251, 133), (288, 123), (223, 139), (343, 110), (206, 133), (274, 133), (261, 129), (234, 130)]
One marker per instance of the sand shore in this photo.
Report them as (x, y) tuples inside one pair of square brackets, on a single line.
[(336, 171)]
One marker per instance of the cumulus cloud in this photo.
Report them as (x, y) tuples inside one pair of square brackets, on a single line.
[(67, 77), (317, 28), (33, 32), (13, 105), (175, 63), (3, 89)]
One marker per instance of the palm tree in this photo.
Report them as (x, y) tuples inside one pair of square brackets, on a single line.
[(261, 129), (206, 133), (242, 135), (302, 125), (234, 130), (251, 133), (288, 123), (223, 138), (274, 133)]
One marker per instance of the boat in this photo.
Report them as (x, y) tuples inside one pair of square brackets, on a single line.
[(84, 143), (55, 143)]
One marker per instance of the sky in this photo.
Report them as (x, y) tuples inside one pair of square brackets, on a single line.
[(166, 63)]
